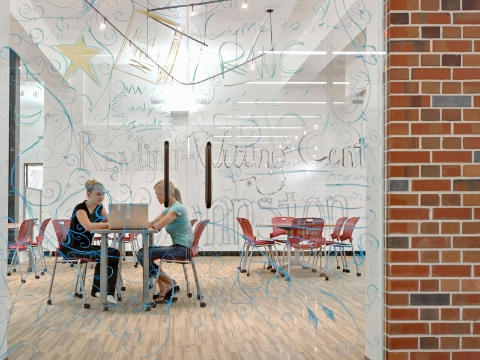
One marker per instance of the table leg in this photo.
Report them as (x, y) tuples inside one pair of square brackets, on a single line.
[(289, 253), (146, 239), (103, 271)]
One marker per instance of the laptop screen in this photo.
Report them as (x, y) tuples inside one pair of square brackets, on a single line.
[(124, 216)]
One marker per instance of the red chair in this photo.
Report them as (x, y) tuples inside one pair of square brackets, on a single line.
[(39, 244), (61, 230), (347, 234), (309, 236), (193, 221), (277, 231), (251, 243), (336, 239), (133, 241), (22, 243), (190, 259)]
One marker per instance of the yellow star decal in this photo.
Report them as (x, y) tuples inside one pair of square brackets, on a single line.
[(80, 56)]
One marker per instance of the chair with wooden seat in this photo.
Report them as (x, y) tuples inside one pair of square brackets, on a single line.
[(251, 243), (308, 236), (347, 235), (22, 243), (61, 228), (38, 244), (190, 259)]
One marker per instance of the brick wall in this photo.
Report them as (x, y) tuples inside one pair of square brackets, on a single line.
[(432, 136)]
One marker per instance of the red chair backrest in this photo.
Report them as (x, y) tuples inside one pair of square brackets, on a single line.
[(197, 234), (348, 229), (61, 228), (338, 228), (41, 232), (310, 229), (193, 221), (26, 229), (246, 229), (280, 220)]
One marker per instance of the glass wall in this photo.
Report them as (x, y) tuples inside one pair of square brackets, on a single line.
[(291, 101)]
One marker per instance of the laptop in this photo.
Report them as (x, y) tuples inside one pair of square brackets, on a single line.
[(128, 216)]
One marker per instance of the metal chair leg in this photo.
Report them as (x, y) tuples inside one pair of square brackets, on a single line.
[(250, 259), (197, 282), (19, 265), (49, 301), (185, 272)]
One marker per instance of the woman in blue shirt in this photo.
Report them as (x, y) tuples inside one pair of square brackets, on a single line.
[(175, 221)]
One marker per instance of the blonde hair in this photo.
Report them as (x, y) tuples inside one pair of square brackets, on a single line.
[(90, 184), (176, 193)]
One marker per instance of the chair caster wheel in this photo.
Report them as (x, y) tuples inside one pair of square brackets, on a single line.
[(8, 274), (189, 294), (86, 306), (314, 270), (42, 273), (243, 271), (37, 277), (147, 308), (326, 278), (80, 296), (156, 296), (273, 270), (136, 265), (150, 286), (344, 270), (282, 275), (29, 270), (269, 266), (338, 267), (49, 302), (359, 274), (347, 271), (202, 304), (199, 297), (248, 274), (105, 307), (14, 270), (119, 298), (122, 288), (153, 304), (24, 281)]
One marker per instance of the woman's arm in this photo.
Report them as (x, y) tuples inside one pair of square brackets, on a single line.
[(85, 221), (104, 215), (164, 220), (157, 219)]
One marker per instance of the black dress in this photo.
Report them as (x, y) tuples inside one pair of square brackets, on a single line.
[(79, 244)]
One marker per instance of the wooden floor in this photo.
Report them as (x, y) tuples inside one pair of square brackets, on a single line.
[(257, 317)]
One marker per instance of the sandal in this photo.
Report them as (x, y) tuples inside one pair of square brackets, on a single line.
[(166, 298)]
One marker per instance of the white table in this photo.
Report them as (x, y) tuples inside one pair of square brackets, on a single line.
[(296, 261), (147, 239)]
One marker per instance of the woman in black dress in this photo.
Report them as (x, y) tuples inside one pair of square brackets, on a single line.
[(88, 215)]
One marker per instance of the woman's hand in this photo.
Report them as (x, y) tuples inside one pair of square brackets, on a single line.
[(150, 226)]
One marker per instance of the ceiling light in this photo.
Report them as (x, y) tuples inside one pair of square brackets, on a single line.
[(245, 5), (294, 52), (269, 127), (102, 25), (288, 82), (341, 83), (281, 102), (192, 13)]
